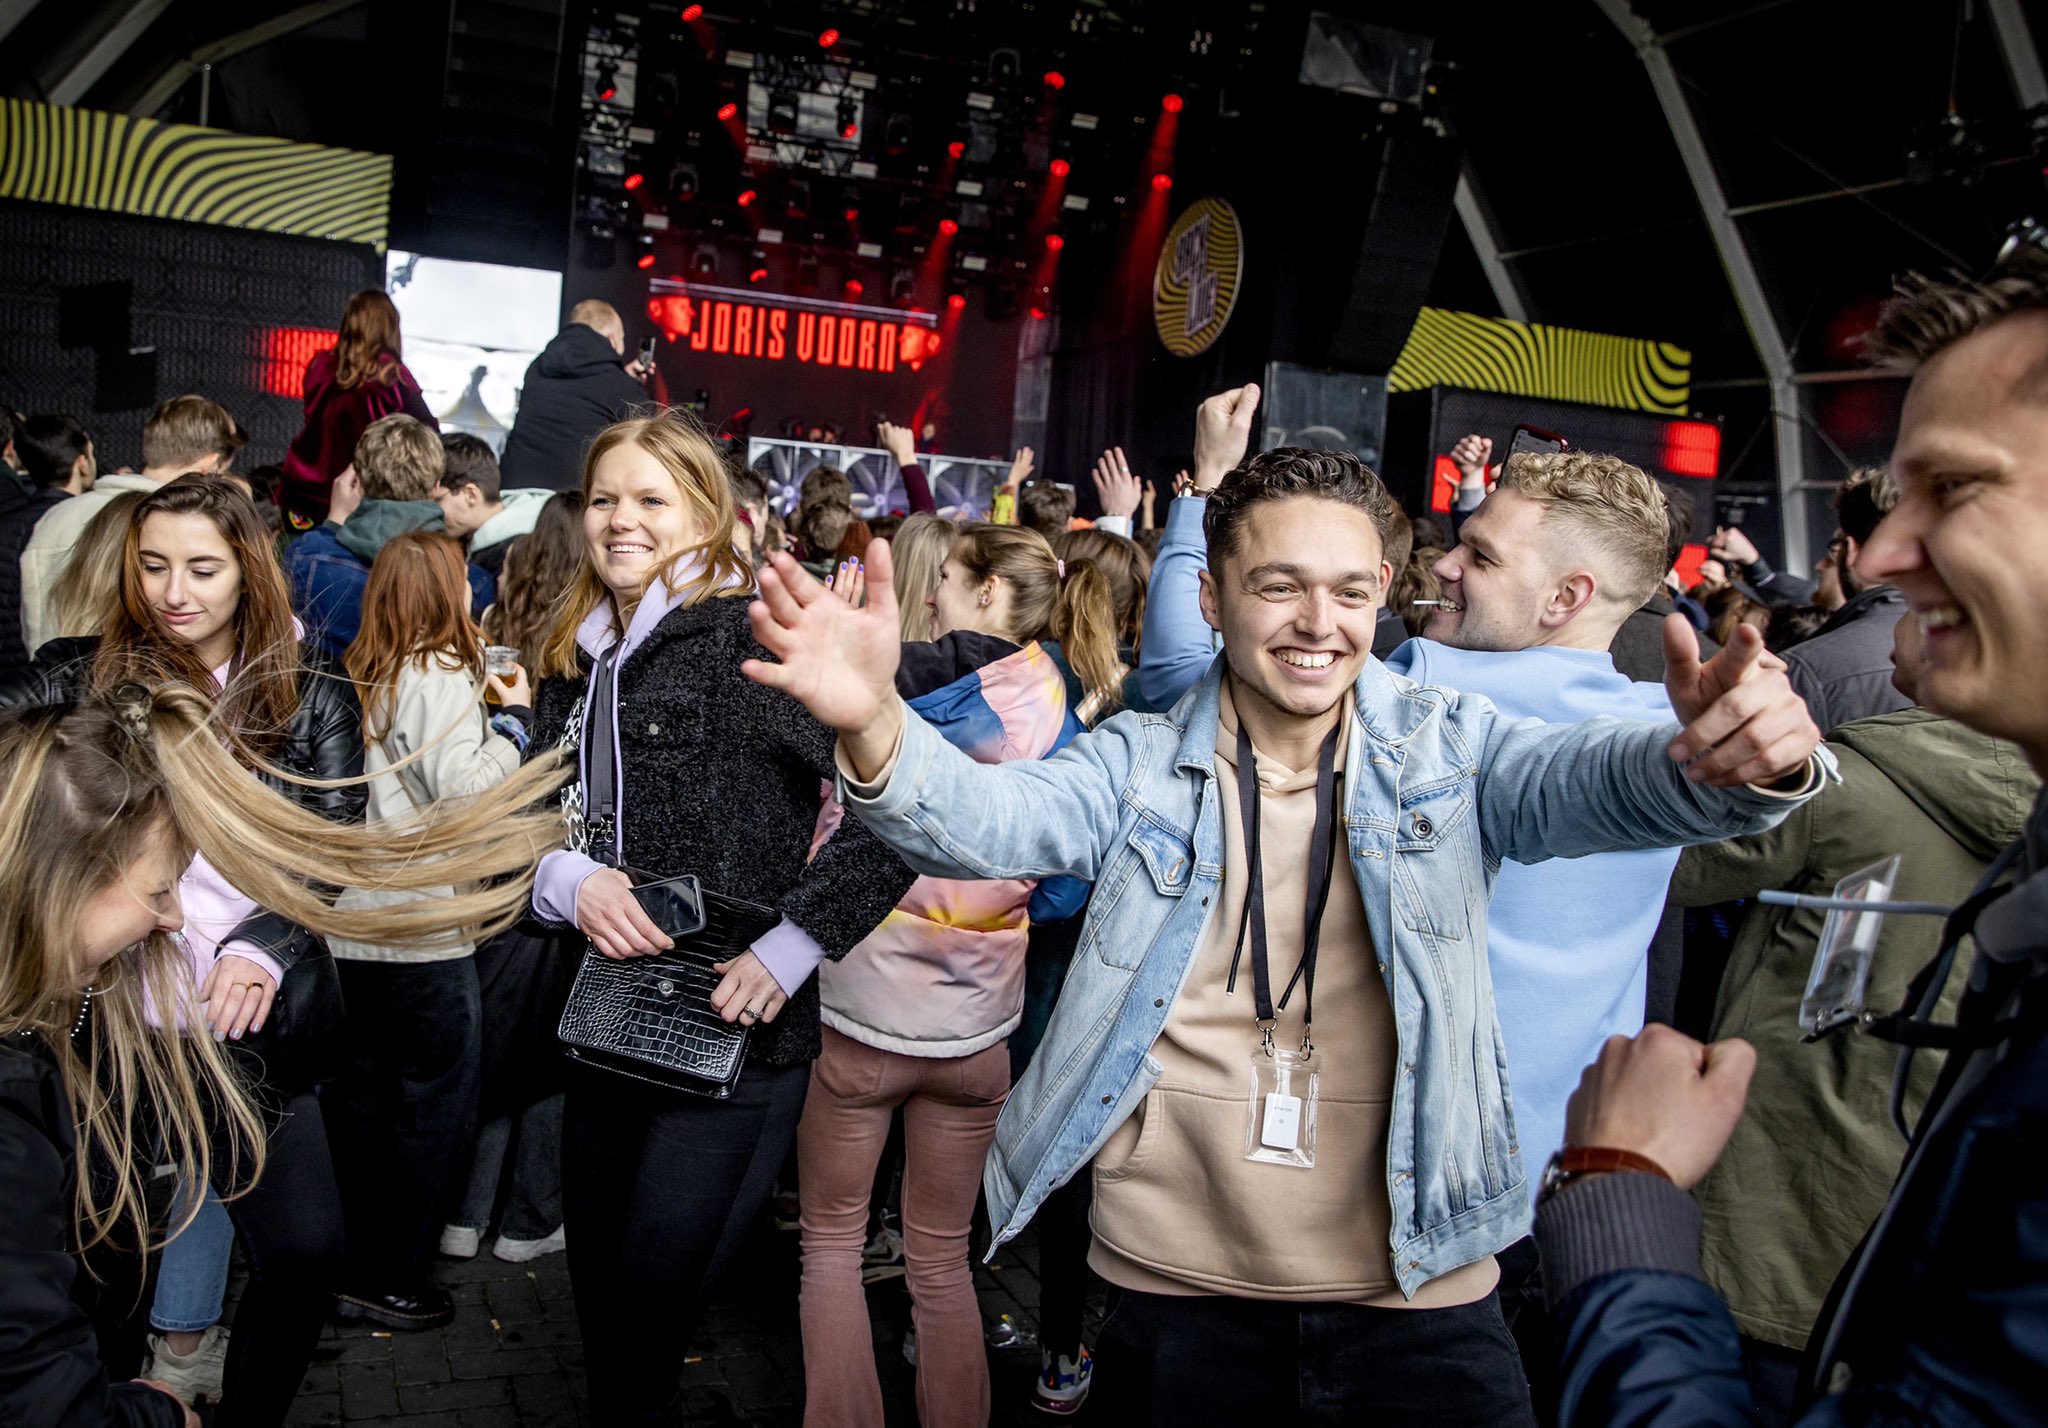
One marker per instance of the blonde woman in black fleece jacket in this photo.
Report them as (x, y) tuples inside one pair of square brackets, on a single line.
[(714, 776)]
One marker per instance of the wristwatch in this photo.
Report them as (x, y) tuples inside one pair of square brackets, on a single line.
[(1576, 1160)]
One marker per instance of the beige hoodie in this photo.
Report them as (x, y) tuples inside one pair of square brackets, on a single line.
[(1178, 1209)]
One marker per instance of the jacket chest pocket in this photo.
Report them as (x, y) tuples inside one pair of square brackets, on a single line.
[(1436, 856), (1155, 860)]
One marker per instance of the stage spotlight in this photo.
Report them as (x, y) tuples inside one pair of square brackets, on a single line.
[(757, 266), (643, 247), (827, 39), (1161, 182), (849, 118), (692, 14), (682, 182), (902, 283), (746, 198), (1053, 242), (634, 180), (957, 149), (1172, 103), (1055, 80), (955, 301), (704, 261), (782, 109), (727, 112), (855, 287), (607, 81), (948, 227), (1059, 168)]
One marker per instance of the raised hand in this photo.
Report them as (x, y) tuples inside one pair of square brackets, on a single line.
[(1743, 721), (1665, 1097), (1020, 466), (849, 582), (1470, 456), (1223, 433), (1145, 507), (899, 441), (1730, 544), (1121, 492), (836, 661)]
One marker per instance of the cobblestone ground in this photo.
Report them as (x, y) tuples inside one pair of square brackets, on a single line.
[(512, 1358)]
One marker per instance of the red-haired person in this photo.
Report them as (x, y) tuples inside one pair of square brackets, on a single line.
[(353, 383), (402, 1117)]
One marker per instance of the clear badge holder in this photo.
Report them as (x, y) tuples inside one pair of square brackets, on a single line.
[(1280, 1126), (1840, 981)]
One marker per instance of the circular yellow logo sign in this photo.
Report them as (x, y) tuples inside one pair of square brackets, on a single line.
[(1196, 281)]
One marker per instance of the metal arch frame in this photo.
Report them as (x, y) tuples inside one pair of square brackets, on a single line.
[(2016, 44), (180, 71), (1787, 419), (1477, 217), (114, 40)]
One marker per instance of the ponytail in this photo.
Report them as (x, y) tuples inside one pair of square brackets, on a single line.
[(1084, 622)]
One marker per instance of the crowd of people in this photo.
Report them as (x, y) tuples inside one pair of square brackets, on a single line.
[(613, 859)]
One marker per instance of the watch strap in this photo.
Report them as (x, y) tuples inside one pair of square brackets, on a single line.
[(1600, 1159)]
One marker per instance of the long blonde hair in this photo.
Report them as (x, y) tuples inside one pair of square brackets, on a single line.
[(88, 588), (917, 550), (1103, 612), (82, 791), (676, 441)]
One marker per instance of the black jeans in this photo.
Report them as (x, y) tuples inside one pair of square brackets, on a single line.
[(402, 1117), (1528, 1319), (1208, 1359), (290, 1226), (659, 1189)]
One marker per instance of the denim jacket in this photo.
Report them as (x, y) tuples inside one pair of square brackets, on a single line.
[(1442, 787)]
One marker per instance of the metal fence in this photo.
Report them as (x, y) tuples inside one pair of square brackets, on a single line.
[(964, 489)]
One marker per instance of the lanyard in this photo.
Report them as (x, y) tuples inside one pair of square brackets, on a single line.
[(1322, 858)]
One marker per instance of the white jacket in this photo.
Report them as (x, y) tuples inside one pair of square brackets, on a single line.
[(43, 558), (439, 711), (522, 509)]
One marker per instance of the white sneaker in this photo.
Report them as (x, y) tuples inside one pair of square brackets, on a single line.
[(191, 1376), (520, 1251), (460, 1241)]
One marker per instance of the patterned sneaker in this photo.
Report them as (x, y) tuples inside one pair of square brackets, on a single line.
[(191, 1376), (1062, 1384)]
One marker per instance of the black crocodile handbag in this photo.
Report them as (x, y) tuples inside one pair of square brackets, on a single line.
[(651, 1018)]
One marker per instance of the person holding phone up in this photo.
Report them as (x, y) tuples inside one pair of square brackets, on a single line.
[(686, 766), (580, 384)]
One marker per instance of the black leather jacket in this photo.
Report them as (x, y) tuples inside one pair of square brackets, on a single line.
[(325, 739)]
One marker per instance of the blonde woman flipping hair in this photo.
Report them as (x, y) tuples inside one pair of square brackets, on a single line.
[(102, 806)]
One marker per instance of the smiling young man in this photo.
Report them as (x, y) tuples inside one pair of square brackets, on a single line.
[(1938, 1316), (1293, 864)]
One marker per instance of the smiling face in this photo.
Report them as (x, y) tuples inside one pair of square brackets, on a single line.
[(634, 520), (1498, 580), (141, 899), (1961, 545), (192, 581), (1296, 604)]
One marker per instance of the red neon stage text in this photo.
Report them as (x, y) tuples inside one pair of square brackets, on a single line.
[(773, 333)]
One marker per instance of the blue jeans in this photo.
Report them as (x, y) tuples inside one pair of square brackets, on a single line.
[(192, 1281)]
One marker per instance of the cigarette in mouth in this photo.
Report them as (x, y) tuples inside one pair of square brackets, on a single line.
[(1429, 602)]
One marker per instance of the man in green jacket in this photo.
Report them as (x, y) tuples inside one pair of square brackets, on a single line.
[(1810, 1164)]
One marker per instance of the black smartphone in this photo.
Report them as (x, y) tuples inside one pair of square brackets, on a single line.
[(675, 905), (647, 353), (1535, 438)]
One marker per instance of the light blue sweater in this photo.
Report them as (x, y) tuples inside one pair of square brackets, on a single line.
[(1568, 940)]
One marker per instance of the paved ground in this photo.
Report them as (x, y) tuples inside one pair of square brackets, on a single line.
[(512, 1358)]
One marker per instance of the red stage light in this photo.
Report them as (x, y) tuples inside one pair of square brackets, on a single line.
[(855, 286), (746, 197), (692, 13), (1172, 103), (1692, 448), (1038, 314), (853, 215), (849, 131), (608, 93), (282, 354), (1161, 182), (1053, 242), (634, 181), (759, 275), (957, 149), (827, 39), (955, 301), (948, 227), (645, 260), (1059, 168), (728, 110), (1055, 80)]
